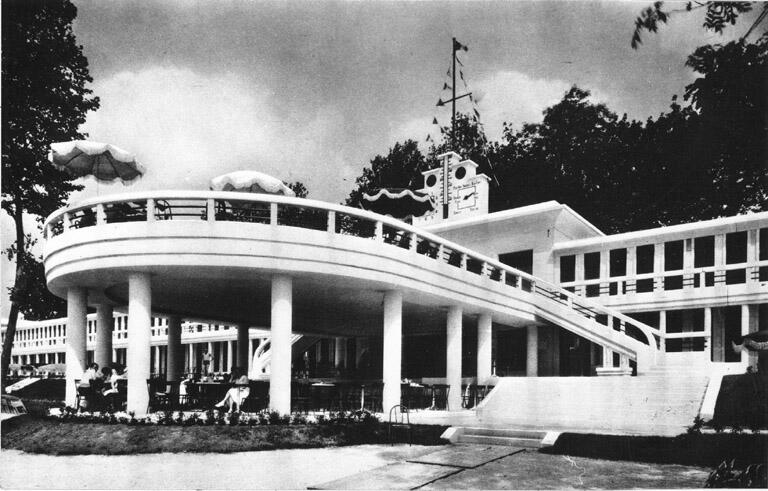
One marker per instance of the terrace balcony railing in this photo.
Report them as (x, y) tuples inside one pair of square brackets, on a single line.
[(262, 210)]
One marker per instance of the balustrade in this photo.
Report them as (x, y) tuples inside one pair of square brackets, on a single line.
[(314, 215)]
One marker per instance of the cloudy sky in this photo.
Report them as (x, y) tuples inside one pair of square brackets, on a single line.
[(311, 91)]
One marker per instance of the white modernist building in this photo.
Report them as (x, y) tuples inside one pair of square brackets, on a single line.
[(520, 296)]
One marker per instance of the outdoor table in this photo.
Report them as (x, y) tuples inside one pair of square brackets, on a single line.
[(211, 392), (322, 395)]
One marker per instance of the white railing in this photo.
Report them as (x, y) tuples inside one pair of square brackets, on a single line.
[(273, 211), (681, 279)]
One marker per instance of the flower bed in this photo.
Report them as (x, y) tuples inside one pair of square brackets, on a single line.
[(121, 433)]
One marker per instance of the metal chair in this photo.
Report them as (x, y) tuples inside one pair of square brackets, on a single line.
[(399, 418)]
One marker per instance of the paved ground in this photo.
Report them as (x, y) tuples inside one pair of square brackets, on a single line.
[(358, 467), (278, 469), (498, 467)]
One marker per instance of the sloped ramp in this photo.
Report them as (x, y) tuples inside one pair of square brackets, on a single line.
[(658, 404)]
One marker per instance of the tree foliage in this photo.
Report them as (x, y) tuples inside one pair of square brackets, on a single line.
[(45, 99), (703, 158), (718, 16), (400, 168)]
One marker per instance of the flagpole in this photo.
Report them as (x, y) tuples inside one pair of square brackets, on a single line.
[(453, 98)]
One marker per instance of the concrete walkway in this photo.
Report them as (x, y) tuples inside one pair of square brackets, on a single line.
[(499, 467), (277, 469)]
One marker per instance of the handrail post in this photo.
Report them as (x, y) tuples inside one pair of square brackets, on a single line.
[(440, 252), (414, 241), (273, 214), (331, 226), (379, 232), (210, 210), (66, 222), (150, 210), (503, 276), (101, 218), (463, 264)]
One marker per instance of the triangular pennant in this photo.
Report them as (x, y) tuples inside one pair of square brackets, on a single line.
[(459, 61), (434, 121), (429, 138), (446, 86), (477, 113), (461, 74), (458, 46)]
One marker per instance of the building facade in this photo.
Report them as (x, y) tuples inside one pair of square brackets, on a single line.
[(462, 295)]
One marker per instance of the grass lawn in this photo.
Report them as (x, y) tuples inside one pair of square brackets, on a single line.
[(51, 436)]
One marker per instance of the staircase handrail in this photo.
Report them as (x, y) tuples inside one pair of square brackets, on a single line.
[(62, 215)]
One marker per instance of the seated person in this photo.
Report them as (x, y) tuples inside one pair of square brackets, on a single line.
[(236, 395), (111, 391), (85, 387)]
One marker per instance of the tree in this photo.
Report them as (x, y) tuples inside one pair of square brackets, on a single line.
[(731, 103), (718, 16), (299, 188), (400, 168), (44, 100)]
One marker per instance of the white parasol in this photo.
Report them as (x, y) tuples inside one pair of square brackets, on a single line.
[(103, 161), (250, 181)]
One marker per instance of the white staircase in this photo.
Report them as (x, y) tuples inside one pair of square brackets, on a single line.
[(664, 401), (263, 355), (500, 436)]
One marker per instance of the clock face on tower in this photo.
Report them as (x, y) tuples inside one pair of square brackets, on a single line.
[(466, 197)]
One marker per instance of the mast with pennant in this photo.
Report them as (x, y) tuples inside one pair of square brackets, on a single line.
[(455, 47)]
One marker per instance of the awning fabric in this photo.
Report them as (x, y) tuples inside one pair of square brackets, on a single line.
[(398, 203)]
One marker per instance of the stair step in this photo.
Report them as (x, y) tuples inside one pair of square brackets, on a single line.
[(505, 432), (500, 440)]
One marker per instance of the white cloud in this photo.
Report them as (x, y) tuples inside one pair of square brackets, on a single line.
[(507, 96), (187, 127)]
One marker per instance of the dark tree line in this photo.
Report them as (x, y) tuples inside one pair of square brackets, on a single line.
[(703, 158)]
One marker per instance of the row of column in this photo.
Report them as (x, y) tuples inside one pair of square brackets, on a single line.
[(138, 356), (392, 351), (138, 352)]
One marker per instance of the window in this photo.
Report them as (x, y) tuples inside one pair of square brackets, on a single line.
[(673, 261), (592, 265), (618, 261), (644, 264), (567, 268), (522, 260), (735, 253)]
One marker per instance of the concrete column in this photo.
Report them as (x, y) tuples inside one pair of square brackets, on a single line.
[(752, 252), (280, 362), (484, 348), (139, 331), (157, 360), (604, 271), (77, 320), (453, 358), (745, 312), (708, 328), (340, 356), (251, 350), (658, 266), (175, 359), (579, 272), (392, 349), (663, 329), (243, 348), (191, 357), (532, 352), (230, 355)]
